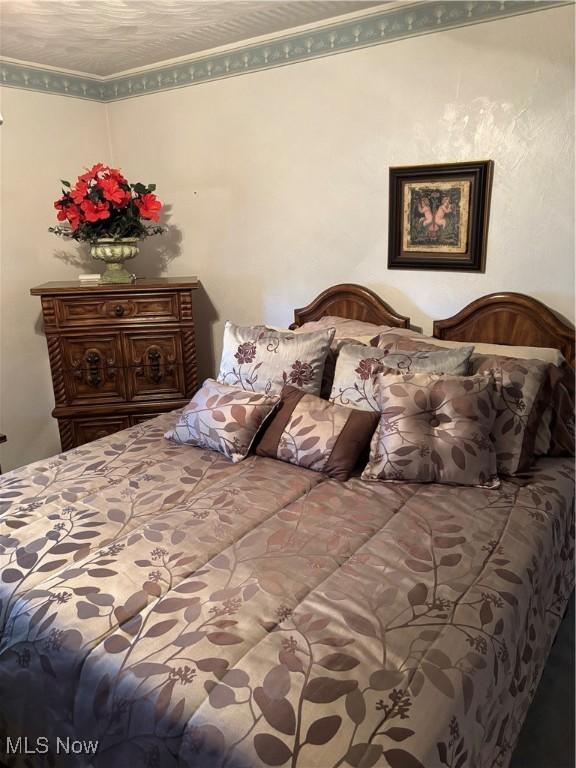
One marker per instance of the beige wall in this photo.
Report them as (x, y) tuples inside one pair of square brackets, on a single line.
[(278, 183), (278, 180), (44, 138)]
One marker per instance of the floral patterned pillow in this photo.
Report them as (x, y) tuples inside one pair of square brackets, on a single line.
[(259, 359), (358, 365), (523, 390), (346, 331), (222, 418), (316, 434), (434, 429)]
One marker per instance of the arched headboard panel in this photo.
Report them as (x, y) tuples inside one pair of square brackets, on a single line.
[(353, 302), (509, 318)]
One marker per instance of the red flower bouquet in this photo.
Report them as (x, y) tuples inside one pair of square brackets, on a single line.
[(103, 204)]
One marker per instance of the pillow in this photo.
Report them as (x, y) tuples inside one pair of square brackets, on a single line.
[(222, 418), (357, 365), (346, 332), (543, 437), (545, 354), (555, 435), (552, 436), (345, 329), (259, 359), (399, 335), (523, 391), (434, 429), (406, 343), (316, 434)]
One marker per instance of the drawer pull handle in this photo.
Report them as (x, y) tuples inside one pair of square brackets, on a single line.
[(152, 369), (154, 359), (94, 364), (119, 310), (93, 374)]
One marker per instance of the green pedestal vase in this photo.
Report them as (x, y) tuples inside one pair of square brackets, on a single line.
[(114, 253)]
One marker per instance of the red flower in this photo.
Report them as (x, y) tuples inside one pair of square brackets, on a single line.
[(67, 211), (79, 192), (149, 206), (113, 192), (115, 174), (102, 194), (95, 211), (74, 215), (91, 173)]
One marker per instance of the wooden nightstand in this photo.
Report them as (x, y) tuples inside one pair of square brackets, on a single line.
[(119, 354)]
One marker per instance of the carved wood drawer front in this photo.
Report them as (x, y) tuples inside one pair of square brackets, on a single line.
[(86, 430), (154, 365), (85, 310), (94, 368)]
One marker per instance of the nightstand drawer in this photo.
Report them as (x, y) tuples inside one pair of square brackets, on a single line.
[(154, 369), (84, 310), (86, 430), (94, 367)]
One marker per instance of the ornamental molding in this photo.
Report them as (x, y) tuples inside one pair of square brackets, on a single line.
[(387, 26)]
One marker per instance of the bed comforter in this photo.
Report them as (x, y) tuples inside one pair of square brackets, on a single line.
[(184, 611)]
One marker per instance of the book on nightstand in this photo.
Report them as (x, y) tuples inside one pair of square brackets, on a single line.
[(89, 279)]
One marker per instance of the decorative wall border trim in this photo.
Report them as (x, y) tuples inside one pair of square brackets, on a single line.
[(32, 78), (387, 26)]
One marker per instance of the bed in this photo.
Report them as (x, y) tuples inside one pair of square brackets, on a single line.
[(160, 606)]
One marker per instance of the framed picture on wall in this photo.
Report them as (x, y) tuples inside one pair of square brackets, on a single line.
[(439, 216)]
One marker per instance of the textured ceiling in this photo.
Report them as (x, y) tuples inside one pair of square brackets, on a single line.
[(103, 37)]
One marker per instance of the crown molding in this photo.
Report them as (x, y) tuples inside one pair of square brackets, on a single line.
[(395, 23)]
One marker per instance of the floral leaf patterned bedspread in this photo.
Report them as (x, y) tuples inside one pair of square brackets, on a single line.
[(184, 611)]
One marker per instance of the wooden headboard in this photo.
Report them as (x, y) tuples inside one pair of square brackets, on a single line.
[(353, 302), (499, 318), (509, 318)]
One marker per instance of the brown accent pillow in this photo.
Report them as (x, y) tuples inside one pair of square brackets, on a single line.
[(524, 390), (316, 434), (222, 418), (434, 428)]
